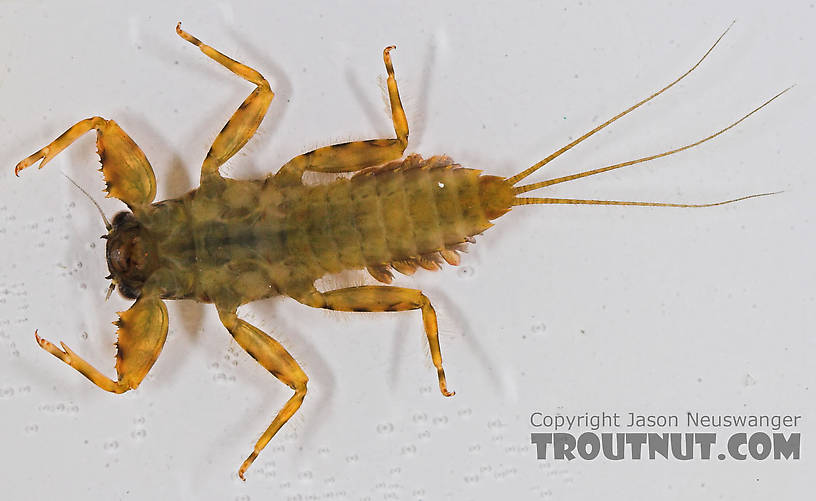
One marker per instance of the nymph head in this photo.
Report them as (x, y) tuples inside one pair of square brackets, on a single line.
[(131, 254)]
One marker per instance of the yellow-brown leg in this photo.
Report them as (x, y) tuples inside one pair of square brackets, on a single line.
[(126, 170), (356, 155), (141, 335), (274, 358), (245, 121), (377, 298)]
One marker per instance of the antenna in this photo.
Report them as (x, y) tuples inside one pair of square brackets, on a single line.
[(107, 223)]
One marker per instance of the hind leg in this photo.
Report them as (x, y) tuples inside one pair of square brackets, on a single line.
[(356, 155), (246, 119), (376, 298)]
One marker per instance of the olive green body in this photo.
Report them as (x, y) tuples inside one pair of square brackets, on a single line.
[(232, 242)]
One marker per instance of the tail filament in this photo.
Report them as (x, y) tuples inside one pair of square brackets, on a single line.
[(534, 186)]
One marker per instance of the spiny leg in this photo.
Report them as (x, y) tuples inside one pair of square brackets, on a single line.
[(376, 298), (274, 358), (125, 167), (356, 155), (140, 338), (245, 121), (521, 175), (530, 187)]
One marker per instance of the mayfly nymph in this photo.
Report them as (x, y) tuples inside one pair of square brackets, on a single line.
[(229, 242)]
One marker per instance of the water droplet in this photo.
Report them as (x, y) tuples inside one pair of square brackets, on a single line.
[(385, 428), (495, 424), (31, 429), (538, 328), (440, 420), (465, 272), (419, 418), (408, 450), (110, 446)]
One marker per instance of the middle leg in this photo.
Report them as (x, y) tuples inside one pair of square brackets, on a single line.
[(274, 358), (355, 155), (246, 119)]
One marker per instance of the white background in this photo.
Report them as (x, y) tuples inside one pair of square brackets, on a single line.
[(557, 309)]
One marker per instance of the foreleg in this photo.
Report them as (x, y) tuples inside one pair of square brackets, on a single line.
[(140, 338), (127, 172)]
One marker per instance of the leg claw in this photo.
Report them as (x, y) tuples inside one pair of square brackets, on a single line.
[(64, 354), (245, 466), (31, 161)]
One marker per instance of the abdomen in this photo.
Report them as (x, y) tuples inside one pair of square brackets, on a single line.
[(404, 214)]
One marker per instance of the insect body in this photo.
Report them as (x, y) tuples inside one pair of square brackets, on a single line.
[(230, 242)]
